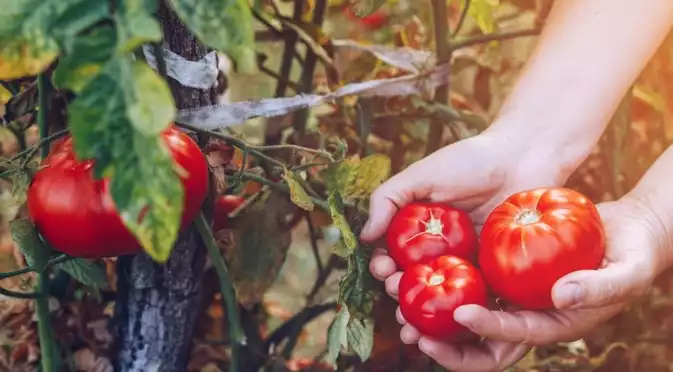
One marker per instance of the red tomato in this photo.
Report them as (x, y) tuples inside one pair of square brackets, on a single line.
[(536, 237), (371, 21), (224, 205), (76, 214), (420, 232), (430, 293)]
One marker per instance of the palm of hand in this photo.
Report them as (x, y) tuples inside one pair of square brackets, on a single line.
[(477, 186)]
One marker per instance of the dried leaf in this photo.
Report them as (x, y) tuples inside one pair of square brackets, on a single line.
[(20, 181), (298, 195), (227, 115), (260, 244), (371, 172)]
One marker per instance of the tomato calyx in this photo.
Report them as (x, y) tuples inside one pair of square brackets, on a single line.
[(433, 226), (527, 217), (436, 279)]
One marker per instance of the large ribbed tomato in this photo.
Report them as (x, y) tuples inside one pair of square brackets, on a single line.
[(420, 232), (76, 214), (430, 293), (536, 237)]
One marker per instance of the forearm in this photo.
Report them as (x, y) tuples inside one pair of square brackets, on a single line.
[(589, 54), (652, 195)]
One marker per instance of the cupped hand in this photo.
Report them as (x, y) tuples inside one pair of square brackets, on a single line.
[(583, 299)]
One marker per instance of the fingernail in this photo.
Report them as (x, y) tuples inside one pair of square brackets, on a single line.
[(568, 295), (463, 316), (427, 346)]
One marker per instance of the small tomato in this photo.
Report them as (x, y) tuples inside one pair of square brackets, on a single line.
[(420, 232), (536, 237), (372, 21), (430, 293), (76, 214), (224, 205)]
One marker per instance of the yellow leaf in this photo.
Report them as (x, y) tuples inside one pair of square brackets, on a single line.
[(298, 195), (372, 171), (18, 59), (5, 95)]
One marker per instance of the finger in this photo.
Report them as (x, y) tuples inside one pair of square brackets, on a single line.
[(409, 335), (400, 317), (473, 357), (398, 191), (381, 265), (596, 288), (531, 327), (392, 284)]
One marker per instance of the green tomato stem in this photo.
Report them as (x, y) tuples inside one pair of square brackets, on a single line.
[(47, 359), (229, 301)]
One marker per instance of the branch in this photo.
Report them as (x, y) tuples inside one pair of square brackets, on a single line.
[(463, 16), (280, 187), (289, 51), (496, 36), (299, 320), (25, 270), (444, 51), (21, 295), (227, 290)]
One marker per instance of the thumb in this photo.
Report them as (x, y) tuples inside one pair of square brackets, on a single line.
[(597, 288), (398, 191)]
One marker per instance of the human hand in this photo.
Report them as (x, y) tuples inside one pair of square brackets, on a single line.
[(635, 255)]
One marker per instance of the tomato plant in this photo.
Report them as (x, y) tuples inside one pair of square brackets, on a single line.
[(536, 237), (420, 232), (430, 293), (76, 213), (224, 205)]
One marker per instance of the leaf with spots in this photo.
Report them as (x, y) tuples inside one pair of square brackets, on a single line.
[(33, 32)]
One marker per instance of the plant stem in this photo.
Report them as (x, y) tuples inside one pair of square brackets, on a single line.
[(21, 295), (44, 325), (443, 46), (25, 270), (159, 56), (463, 16), (229, 301), (40, 144), (281, 187), (43, 99), (291, 39), (496, 36)]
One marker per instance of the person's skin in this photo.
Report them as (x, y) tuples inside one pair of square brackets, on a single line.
[(587, 57)]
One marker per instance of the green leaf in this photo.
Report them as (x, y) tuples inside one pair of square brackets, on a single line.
[(337, 335), (358, 178), (87, 57), (32, 32), (482, 11), (360, 334), (136, 25), (372, 171), (298, 195), (224, 25), (26, 238), (89, 273), (348, 333), (336, 209), (357, 287), (116, 120)]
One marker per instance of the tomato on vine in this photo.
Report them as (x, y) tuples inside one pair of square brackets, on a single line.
[(372, 21), (224, 205), (430, 293), (420, 232), (536, 237), (76, 213)]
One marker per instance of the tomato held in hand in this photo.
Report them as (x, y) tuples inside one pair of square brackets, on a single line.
[(429, 294), (536, 237), (224, 205), (76, 214), (420, 232)]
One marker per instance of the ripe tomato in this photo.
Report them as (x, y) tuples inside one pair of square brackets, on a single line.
[(372, 21), (76, 214), (536, 237), (420, 232), (430, 293), (224, 205)]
